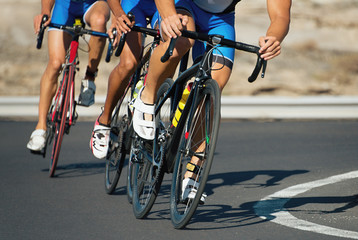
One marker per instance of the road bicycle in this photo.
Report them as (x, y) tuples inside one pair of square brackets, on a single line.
[(121, 122), (62, 114), (193, 137)]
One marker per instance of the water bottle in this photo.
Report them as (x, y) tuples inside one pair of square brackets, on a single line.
[(137, 88), (181, 104)]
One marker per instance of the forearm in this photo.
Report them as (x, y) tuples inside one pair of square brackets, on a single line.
[(279, 13), (116, 7), (278, 28), (46, 6), (165, 8)]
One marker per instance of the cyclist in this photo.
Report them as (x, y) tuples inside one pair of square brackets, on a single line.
[(95, 13), (213, 17), (120, 75)]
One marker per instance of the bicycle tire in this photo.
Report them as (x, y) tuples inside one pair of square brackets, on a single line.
[(204, 127), (117, 152), (130, 174), (139, 75), (60, 118), (148, 176)]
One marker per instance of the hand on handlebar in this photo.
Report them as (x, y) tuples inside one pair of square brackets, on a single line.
[(38, 21), (123, 25), (174, 24), (270, 47)]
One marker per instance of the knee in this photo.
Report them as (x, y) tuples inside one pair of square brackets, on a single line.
[(55, 65), (98, 22), (126, 66)]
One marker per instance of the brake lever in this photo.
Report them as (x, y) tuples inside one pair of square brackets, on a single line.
[(264, 65), (260, 64), (169, 51), (111, 45), (41, 33), (123, 37)]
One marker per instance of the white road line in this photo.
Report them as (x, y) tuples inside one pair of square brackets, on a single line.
[(272, 207)]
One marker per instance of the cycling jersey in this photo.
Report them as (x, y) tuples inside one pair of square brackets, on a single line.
[(66, 11), (141, 9), (217, 6), (211, 23)]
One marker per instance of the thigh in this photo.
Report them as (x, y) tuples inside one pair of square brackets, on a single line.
[(58, 43), (221, 24), (94, 12), (61, 13), (132, 49)]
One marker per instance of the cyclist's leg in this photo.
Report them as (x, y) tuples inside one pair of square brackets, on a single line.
[(221, 68), (96, 17), (58, 42), (130, 55), (157, 74), (117, 82), (120, 75), (159, 71)]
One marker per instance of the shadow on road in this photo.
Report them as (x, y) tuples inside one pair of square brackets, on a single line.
[(78, 169), (227, 216)]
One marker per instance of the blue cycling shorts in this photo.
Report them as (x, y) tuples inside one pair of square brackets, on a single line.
[(141, 9), (210, 23), (66, 11)]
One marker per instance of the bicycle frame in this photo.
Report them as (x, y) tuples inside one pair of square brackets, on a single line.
[(70, 69), (201, 74)]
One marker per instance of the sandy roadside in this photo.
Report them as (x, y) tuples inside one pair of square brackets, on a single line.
[(320, 54)]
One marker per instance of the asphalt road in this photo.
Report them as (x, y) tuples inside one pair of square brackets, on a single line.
[(269, 180)]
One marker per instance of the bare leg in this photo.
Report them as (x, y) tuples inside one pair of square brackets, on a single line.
[(120, 75), (159, 71), (58, 42), (222, 77), (97, 18)]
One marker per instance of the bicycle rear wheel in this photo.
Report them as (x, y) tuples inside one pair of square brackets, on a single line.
[(147, 160), (198, 140), (59, 114), (117, 151), (139, 76)]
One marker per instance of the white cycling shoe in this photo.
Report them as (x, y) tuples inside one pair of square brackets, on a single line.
[(189, 190), (37, 140), (144, 128), (100, 140)]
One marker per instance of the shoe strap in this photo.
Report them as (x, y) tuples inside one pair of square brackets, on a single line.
[(38, 132), (144, 108)]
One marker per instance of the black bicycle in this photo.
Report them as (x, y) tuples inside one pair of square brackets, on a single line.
[(181, 137), (121, 123), (62, 114)]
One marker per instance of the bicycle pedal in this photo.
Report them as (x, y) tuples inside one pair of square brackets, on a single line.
[(74, 118)]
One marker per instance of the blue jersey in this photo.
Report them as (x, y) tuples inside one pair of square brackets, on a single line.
[(141, 9), (66, 11), (211, 23)]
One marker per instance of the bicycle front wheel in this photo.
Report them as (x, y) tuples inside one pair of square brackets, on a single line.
[(147, 178), (197, 144), (148, 157), (117, 151), (60, 111)]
